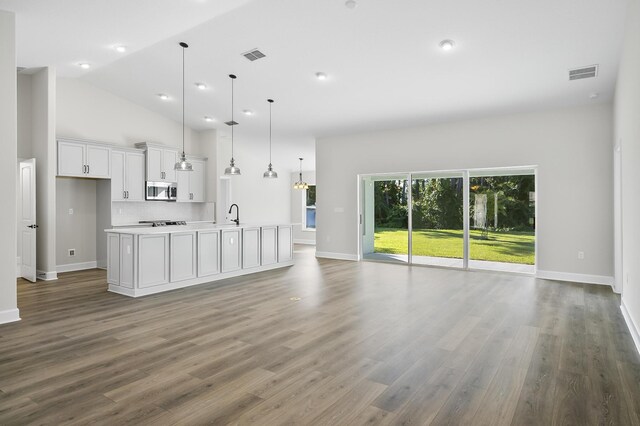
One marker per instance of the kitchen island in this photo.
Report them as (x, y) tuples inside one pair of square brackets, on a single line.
[(148, 260)]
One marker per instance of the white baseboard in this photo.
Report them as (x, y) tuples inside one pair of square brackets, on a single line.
[(338, 256), (577, 278), (307, 242), (10, 315), (77, 266), (18, 267), (631, 325), (46, 276)]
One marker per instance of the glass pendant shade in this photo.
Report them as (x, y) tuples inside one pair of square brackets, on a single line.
[(232, 169), (270, 173), (300, 184), (183, 165)]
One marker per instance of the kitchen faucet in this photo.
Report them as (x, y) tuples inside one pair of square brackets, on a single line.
[(237, 219)]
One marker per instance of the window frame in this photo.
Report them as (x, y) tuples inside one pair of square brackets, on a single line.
[(304, 209)]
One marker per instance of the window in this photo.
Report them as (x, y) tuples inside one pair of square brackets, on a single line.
[(309, 208)]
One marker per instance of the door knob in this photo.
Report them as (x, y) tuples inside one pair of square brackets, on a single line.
[(34, 226)]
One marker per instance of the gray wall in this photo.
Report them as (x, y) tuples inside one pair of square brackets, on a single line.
[(571, 147), (8, 140), (77, 230), (627, 137)]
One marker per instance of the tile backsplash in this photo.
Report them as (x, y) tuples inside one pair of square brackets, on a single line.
[(130, 213)]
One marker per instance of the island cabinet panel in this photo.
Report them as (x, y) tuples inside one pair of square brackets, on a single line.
[(208, 253), (285, 243), (126, 261), (250, 248), (183, 256), (153, 260), (269, 236), (231, 250), (113, 259)]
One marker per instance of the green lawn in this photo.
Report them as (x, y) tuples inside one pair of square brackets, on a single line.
[(510, 247)]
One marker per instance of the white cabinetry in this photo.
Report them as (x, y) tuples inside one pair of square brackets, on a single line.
[(191, 185), (83, 159), (153, 260), (269, 237), (285, 243), (250, 247), (160, 162), (183, 256), (113, 259), (208, 253), (127, 176), (231, 249), (120, 269)]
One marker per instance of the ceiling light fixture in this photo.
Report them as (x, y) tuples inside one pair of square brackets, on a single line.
[(84, 65), (447, 45), (120, 48), (163, 96), (321, 76), (183, 165), (270, 173), (232, 169), (301, 184), (201, 86), (350, 4), (208, 119)]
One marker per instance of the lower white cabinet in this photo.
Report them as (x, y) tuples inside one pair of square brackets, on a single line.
[(208, 253), (153, 260), (269, 252), (231, 249), (250, 247), (285, 240), (113, 259), (183, 256)]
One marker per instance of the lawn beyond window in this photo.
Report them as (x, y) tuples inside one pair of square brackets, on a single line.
[(498, 246)]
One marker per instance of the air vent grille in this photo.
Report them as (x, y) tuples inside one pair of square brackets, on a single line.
[(253, 55), (231, 123), (583, 72)]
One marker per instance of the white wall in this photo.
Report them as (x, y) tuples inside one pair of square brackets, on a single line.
[(300, 235), (571, 147), (80, 196), (260, 200), (24, 116), (627, 136), (8, 140)]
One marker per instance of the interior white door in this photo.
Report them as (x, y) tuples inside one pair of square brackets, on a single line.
[(28, 219)]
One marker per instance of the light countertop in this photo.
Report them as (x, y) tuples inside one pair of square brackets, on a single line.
[(203, 226)]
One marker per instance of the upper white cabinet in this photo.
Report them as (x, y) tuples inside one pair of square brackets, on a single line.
[(160, 162), (191, 185), (127, 176), (83, 159)]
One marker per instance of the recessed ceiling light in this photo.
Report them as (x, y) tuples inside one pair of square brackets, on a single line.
[(321, 76), (594, 95), (120, 48), (84, 65), (163, 96), (447, 44), (201, 86), (351, 4), (247, 112), (208, 119)]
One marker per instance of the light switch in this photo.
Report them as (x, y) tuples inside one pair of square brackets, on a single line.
[(70, 211)]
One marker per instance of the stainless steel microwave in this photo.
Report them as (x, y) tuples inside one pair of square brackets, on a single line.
[(161, 191)]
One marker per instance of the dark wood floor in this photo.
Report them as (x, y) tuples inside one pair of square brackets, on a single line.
[(367, 343)]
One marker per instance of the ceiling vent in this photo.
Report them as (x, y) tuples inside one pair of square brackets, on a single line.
[(253, 55), (231, 123), (584, 72)]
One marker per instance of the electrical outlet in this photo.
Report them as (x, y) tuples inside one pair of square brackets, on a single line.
[(72, 252), (70, 211), (580, 255)]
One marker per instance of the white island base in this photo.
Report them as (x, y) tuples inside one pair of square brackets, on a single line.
[(143, 261)]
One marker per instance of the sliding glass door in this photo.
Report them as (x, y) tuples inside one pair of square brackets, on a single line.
[(478, 219), (437, 218)]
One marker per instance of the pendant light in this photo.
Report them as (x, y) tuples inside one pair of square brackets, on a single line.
[(183, 164), (301, 184), (232, 169), (270, 173)]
